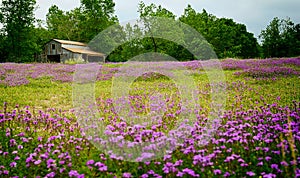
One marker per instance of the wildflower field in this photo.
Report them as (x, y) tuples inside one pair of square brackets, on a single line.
[(258, 136)]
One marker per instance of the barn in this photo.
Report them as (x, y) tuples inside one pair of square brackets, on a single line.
[(61, 50)]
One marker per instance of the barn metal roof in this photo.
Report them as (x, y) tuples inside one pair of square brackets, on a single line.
[(84, 51), (70, 42)]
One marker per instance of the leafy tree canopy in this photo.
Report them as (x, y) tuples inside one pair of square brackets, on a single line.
[(17, 18), (22, 36), (281, 38)]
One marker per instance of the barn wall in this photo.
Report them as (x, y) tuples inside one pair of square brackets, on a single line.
[(62, 54), (66, 55), (77, 56), (50, 51), (95, 59)]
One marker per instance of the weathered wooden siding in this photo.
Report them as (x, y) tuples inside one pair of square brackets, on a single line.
[(69, 55), (49, 48), (62, 50)]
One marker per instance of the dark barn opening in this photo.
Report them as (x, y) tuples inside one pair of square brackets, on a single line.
[(85, 57), (53, 58)]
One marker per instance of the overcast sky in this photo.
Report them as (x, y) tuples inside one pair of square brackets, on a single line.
[(255, 14)]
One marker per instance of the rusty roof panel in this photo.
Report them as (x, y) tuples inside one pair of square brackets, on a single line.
[(84, 51), (70, 42)]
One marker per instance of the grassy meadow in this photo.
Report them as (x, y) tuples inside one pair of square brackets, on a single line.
[(257, 135)]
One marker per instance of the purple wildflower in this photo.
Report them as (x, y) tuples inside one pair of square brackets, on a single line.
[(44, 156), (190, 172), (244, 164), (37, 162), (5, 172), (293, 162), (269, 175), (250, 173), (268, 158), (180, 174), (227, 174), (40, 139), (80, 176), (297, 172), (29, 159), (25, 140), (50, 161), (21, 134), (73, 173), (217, 171), (101, 167), (62, 170), (151, 172), (51, 175), (144, 176), (89, 162), (178, 163), (241, 160), (17, 158), (127, 175), (13, 164), (259, 164), (274, 166), (284, 163)]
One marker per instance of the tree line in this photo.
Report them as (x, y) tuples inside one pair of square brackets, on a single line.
[(22, 36)]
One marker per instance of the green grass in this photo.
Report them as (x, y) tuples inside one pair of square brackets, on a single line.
[(40, 94), (44, 93)]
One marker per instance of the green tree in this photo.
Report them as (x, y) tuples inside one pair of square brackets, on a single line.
[(228, 38), (40, 36), (281, 38), (249, 45), (297, 40), (3, 50), (131, 44), (98, 15), (161, 25), (290, 38), (61, 25), (271, 38), (146, 12), (82, 23), (17, 18)]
